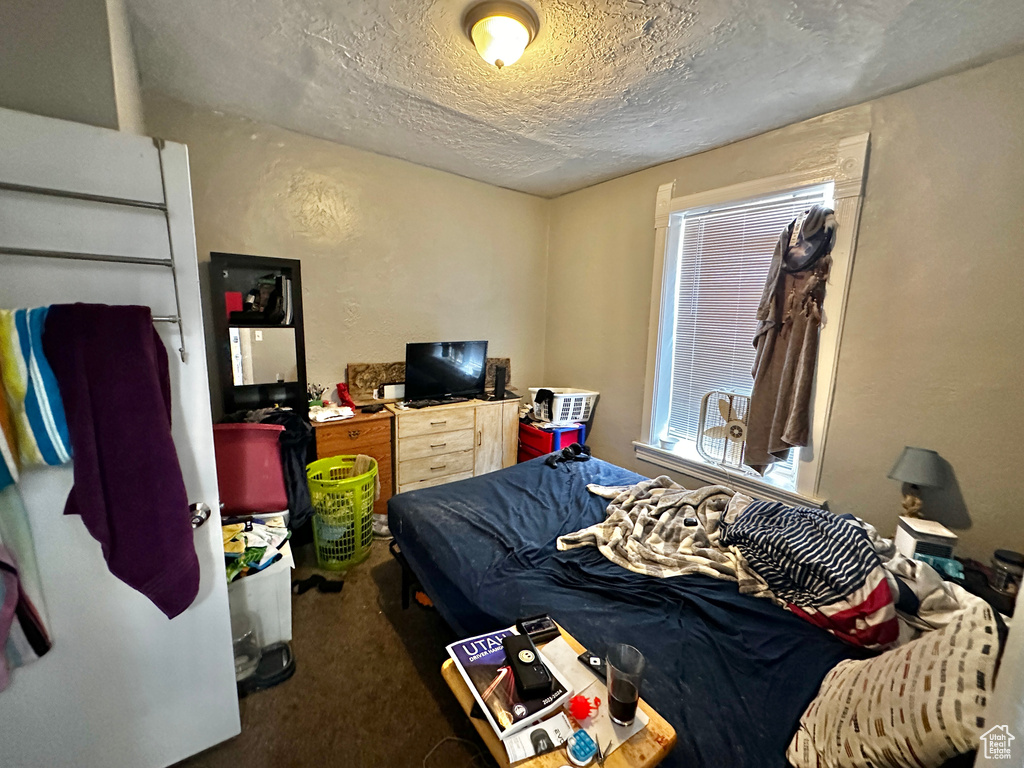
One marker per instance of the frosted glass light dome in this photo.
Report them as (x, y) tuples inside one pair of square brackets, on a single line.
[(500, 40), (500, 31)]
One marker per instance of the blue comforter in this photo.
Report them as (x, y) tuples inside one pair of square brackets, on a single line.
[(731, 673)]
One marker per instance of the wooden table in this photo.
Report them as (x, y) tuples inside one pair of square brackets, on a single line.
[(644, 749)]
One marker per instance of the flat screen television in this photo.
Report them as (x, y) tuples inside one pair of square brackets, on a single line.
[(440, 369)]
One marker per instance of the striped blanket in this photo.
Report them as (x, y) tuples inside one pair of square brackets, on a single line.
[(822, 566)]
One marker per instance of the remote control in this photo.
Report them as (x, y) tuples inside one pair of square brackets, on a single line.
[(532, 678)]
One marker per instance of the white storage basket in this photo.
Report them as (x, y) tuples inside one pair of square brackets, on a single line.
[(568, 406)]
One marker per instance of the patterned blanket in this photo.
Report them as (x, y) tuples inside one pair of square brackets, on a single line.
[(822, 566), (659, 528)]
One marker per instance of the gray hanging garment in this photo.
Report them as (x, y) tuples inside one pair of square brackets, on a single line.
[(789, 317)]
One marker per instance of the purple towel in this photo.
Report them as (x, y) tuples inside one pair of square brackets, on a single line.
[(111, 367)]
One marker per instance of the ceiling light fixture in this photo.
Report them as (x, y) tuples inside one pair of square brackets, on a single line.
[(500, 30)]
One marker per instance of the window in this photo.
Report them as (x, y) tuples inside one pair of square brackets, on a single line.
[(723, 255), (712, 259)]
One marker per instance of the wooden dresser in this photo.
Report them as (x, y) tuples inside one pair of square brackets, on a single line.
[(445, 443), (368, 433)]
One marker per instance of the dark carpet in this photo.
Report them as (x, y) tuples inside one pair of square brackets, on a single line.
[(367, 689)]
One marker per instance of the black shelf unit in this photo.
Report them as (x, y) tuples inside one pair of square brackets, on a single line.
[(239, 272)]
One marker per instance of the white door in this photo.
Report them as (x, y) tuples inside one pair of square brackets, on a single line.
[(123, 685)]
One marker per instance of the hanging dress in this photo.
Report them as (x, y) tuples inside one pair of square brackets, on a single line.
[(789, 318)]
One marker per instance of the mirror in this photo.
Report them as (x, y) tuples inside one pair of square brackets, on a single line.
[(262, 355)]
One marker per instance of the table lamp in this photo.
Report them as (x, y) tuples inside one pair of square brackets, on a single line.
[(917, 468)]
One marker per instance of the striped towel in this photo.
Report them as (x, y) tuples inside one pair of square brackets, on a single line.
[(8, 445), (33, 398), (822, 566), (33, 430)]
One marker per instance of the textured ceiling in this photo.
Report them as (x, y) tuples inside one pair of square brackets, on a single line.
[(606, 88)]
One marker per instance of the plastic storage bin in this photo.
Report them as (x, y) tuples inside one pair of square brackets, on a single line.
[(343, 511), (267, 595), (534, 442), (568, 405), (249, 470)]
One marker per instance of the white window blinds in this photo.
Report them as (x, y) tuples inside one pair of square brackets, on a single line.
[(724, 254)]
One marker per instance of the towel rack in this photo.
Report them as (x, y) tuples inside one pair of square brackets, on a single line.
[(113, 258)]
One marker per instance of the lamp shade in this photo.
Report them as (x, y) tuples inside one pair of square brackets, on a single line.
[(918, 466)]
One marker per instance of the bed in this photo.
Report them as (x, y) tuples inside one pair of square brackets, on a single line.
[(731, 673)]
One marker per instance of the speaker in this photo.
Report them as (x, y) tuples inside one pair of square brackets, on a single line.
[(500, 371)]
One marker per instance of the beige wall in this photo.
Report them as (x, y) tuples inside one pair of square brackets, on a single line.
[(55, 60), (391, 252), (931, 354)]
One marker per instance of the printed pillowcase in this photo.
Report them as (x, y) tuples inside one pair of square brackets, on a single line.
[(916, 705)]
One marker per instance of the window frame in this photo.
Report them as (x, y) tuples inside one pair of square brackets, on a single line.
[(847, 172)]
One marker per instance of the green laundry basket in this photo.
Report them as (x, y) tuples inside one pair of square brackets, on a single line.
[(343, 511)]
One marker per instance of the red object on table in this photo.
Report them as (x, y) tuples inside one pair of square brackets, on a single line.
[(580, 707), (344, 398)]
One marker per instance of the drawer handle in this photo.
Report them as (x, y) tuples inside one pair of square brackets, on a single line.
[(439, 445), (438, 423), (434, 469), (353, 433)]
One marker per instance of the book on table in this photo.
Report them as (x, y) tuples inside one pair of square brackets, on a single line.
[(481, 662)]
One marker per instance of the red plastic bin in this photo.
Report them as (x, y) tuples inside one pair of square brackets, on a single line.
[(249, 470), (535, 442)]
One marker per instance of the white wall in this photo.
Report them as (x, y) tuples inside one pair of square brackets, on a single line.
[(55, 60), (935, 320), (391, 252)]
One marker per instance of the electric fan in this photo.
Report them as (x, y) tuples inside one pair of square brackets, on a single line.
[(722, 432)]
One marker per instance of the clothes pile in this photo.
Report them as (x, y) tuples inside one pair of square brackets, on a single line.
[(834, 571), (252, 545)]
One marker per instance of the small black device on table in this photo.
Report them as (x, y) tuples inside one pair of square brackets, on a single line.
[(531, 676), (540, 628), (595, 664)]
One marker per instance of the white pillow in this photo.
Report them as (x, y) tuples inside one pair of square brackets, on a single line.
[(919, 704)]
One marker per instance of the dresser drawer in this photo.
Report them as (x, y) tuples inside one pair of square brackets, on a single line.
[(344, 439), (435, 445), (430, 421), (429, 467), (434, 481)]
